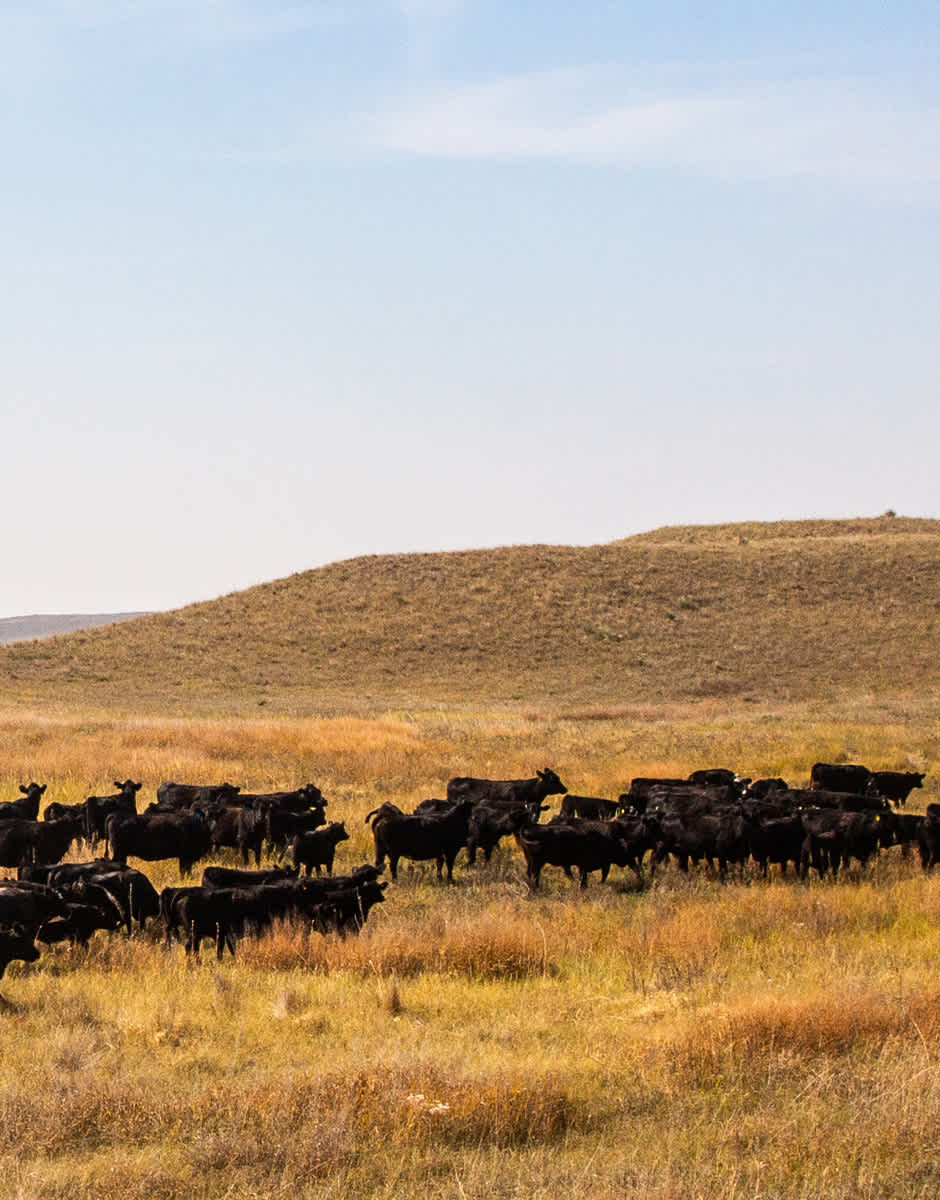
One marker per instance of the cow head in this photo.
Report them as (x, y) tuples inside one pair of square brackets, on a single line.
[(551, 784), (128, 788), (32, 790), (312, 795)]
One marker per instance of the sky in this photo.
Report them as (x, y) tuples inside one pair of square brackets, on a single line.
[(292, 281)]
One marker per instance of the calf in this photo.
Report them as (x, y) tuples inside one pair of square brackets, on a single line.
[(26, 809), (317, 847)]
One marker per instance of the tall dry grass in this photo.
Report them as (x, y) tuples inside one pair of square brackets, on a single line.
[(690, 1039)]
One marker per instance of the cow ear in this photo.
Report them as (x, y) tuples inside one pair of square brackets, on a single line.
[(23, 789)]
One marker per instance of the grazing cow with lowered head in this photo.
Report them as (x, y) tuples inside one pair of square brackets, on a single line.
[(589, 808)]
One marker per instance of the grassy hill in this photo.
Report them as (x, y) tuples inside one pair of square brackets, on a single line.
[(779, 611)]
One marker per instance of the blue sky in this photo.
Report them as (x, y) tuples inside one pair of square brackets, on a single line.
[(287, 283)]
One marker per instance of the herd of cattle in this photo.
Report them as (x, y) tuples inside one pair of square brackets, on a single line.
[(714, 816)]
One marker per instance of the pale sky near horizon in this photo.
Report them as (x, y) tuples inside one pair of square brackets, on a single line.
[(291, 282)]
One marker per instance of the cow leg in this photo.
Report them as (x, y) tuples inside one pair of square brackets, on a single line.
[(392, 866)]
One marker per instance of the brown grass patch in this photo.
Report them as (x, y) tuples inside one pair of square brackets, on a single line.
[(483, 945)]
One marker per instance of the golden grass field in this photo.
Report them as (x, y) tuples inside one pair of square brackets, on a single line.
[(691, 1039)]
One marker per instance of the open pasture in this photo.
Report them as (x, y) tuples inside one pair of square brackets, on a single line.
[(691, 1039)]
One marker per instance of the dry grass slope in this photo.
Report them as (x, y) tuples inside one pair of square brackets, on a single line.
[(787, 611)]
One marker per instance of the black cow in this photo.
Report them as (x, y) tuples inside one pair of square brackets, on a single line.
[(99, 808), (441, 837), (89, 908), (283, 825), (590, 808), (16, 942), (489, 824), (183, 836), (840, 777), (797, 798), (56, 811), (928, 838), (130, 889), (671, 799), (695, 836), (895, 786), (716, 777), (230, 877), (23, 842), (209, 914), (822, 841), (639, 832), (637, 795), (296, 800), (174, 797), (317, 847), (760, 789), (777, 839), (241, 828), (24, 903), (26, 809), (345, 911), (566, 844), (907, 827), (530, 792)]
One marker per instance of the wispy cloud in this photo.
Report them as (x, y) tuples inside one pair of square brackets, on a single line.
[(855, 129)]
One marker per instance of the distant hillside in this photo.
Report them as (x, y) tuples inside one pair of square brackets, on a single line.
[(22, 629), (793, 610)]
